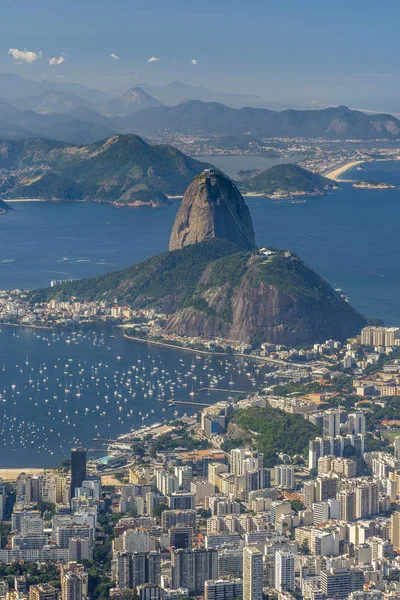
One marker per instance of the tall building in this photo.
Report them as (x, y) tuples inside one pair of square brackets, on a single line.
[(78, 468), (236, 457), (356, 423), (181, 501), (131, 569), (396, 445), (284, 476), (181, 537), (331, 423), (367, 499), (153, 567), (43, 591), (395, 529), (284, 571), (340, 582), (347, 499), (223, 589), (71, 587), (185, 476), (3, 498), (252, 573), (192, 568), (166, 483), (150, 591), (74, 582)]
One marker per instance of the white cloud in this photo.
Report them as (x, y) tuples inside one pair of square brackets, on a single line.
[(153, 59), (114, 56), (24, 56), (194, 62), (56, 61)]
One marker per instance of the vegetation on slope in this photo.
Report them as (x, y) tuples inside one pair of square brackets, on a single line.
[(273, 431), (122, 169), (288, 179), (171, 274)]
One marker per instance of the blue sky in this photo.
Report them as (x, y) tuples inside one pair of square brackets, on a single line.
[(288, 51)]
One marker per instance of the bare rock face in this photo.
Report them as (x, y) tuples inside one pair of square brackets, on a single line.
[(279, 300), (212, 207)]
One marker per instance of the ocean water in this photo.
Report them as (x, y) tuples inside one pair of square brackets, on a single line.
[(351, 237), (59, 389)]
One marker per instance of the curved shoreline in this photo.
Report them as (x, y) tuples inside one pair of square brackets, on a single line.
[(335, 174), (174, 347), (232, 354)]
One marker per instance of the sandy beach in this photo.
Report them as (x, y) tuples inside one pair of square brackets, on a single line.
[(335, 174), (12, 201), (12, 474)]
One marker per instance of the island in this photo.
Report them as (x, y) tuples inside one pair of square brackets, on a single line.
[(374, 185), (286, 181)]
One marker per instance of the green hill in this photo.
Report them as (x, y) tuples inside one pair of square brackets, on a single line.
[(272, 431), (122, 169), (287, 179), (215, 289)]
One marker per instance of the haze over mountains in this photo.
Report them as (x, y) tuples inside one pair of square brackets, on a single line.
[(76, 114)]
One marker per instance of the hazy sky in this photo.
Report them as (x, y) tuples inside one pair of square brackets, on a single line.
[(288, 51)]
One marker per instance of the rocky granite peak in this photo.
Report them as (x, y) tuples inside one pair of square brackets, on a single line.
[(212, 207)]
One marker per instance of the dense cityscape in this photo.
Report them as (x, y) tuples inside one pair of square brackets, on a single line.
[(290, 491), (199, 300)]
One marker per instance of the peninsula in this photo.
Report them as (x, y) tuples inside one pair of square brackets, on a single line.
[(285, 181), (215, 283), (123, 170)]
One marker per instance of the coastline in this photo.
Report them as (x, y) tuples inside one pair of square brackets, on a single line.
[(173, 346), (236, 354), (25, 200), (12, 473), (335, 174), (25, 325)]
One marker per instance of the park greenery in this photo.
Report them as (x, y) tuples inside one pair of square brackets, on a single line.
[(273, 431)]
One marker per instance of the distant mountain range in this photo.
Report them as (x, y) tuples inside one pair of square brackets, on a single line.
[(133, 100), (177, 92), (13, 86), (76, 114), (213, 118), (123, 169)]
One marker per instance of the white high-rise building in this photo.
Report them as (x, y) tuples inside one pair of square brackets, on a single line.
[(185, 476), (135, 540), (166, 484), (284, 476), (235, 459), (284, 571), (252, 573), (356, 423)]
